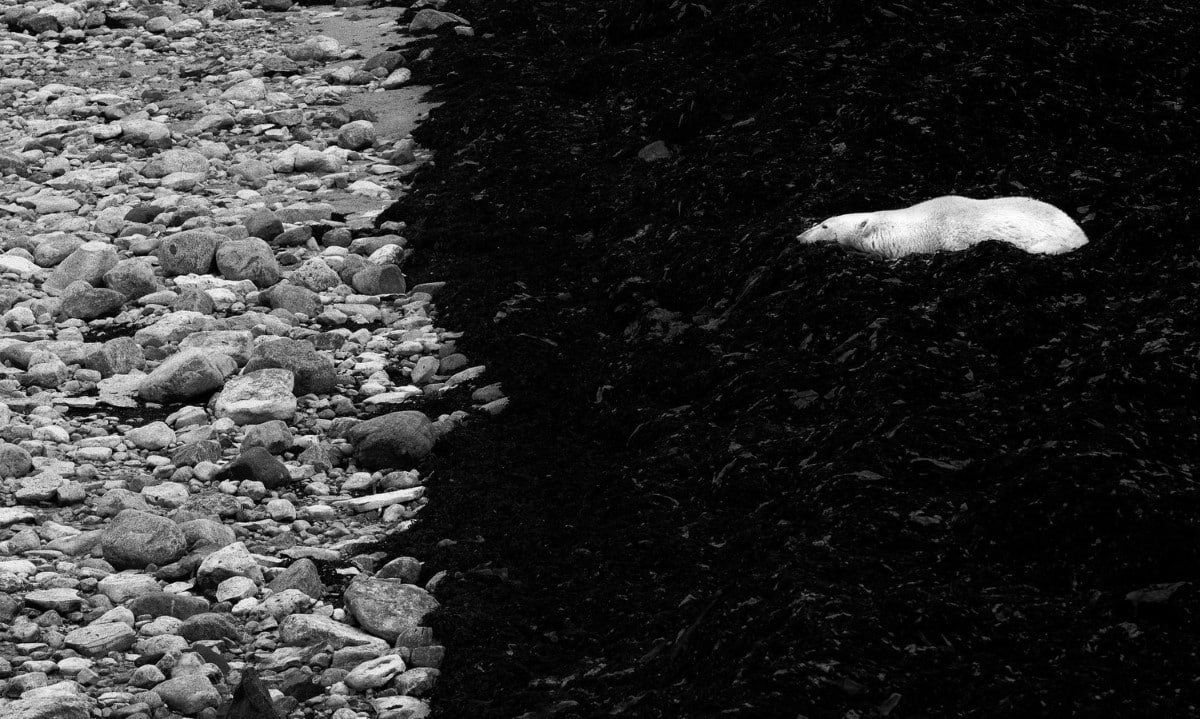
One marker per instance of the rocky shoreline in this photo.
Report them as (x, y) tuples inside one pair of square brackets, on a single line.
[(214, 367)]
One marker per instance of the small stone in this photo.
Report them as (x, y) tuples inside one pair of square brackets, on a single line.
[(135, 539), (209, 625), (231, 561), (357, 135), (375, 673), (258, 465), (258, 396), (302, 575), (153, 436), (387, 607)]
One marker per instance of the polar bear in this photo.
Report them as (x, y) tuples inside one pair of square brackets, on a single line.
[(954, 223)]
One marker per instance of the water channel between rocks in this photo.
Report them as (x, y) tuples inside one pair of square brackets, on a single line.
[(217, 381)]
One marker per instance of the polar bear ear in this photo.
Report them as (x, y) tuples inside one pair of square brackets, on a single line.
[(863, 226)]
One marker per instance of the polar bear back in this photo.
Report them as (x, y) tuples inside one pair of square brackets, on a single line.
[(1024, 222)]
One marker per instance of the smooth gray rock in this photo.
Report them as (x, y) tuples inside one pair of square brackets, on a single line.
[(135, 539), (375, 279), (201, 533), (387, 607), (189, 693), (82, 302), (89, 263), (249, 259), (295, 299), (315, 275), (186, 374), (188, 252), (132, 277), (301, 575), (97, 640)]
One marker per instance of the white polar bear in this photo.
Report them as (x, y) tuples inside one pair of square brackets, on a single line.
[(954, 223)]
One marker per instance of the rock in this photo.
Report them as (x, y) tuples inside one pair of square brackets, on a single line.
[(189, 252), (249, 259), (257, 396), (135, 539), (153, 436), (209, 625), (301, 575), (295, 299), (124, 586), (133, 277), (206, 533), (173, 161), (189, 693), (162, 604), (285, 603), (233, 560), (186, 374), (379, 280), (429, 19), (61, 600), (264, 225), (97, 640), (315, 275), (193, 453), (88, 263), (274, 436), (87, 303), (401, 707), (120, 355), (313, 371), (249, 92), (256, 464), (58, 705), (302, 630), (14, 462), (392, 440), (251, 699), (357, 135), (387, 607), (416, 682), (425, 369), (237, 344), (375, 673), (115, 501), (147, 133), (388, 60), (172, 328), (406, 569)]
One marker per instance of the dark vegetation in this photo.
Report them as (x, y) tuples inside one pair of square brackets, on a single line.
[(744, 478)]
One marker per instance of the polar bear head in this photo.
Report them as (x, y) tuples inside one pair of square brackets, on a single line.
[(851, 230)]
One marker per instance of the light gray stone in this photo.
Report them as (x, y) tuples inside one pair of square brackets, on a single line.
[(97, 640), (387, 607), (258, 396), (299, 630)]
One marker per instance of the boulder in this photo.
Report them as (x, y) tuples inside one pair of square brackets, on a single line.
[(258, 396), (186, 374), (392, 440), (135, 539)]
